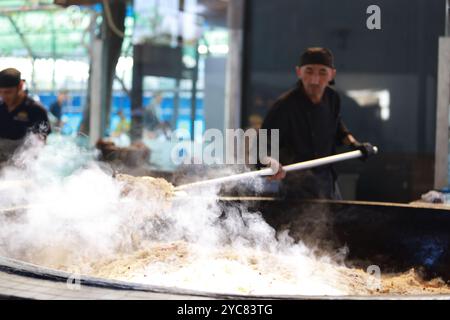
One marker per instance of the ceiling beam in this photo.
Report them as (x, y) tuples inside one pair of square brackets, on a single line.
[(8, 10), (22, 37), (67, 3)]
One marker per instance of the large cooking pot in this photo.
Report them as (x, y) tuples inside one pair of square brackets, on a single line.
[(395, 237)]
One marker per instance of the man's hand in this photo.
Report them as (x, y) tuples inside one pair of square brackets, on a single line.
[(277, 168), (366, 148)]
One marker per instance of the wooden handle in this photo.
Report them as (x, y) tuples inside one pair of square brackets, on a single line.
[(268, 171)]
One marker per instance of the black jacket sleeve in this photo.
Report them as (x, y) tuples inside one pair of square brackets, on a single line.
[(276, 119), (40, 122)]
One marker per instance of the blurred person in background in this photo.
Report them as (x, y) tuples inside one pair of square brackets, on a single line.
[(121, 132), (57, 107), (152, 116)]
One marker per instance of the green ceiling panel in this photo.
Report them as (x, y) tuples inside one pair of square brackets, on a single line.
[(54, 32)]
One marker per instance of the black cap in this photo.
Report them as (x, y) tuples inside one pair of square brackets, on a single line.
[(317, 55), (9, 78)]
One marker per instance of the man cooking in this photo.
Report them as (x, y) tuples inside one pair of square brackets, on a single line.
[(19, 114), (309, 120)]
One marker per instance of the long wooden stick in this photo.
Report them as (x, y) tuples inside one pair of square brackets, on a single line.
[(268, 171)]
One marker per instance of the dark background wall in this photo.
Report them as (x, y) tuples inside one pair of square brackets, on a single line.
[(400, 59)]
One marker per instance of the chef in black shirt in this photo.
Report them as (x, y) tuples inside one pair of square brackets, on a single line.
[(310, 127), (19, 114)]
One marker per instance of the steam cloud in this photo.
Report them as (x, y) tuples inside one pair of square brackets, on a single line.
[(71, 215)]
